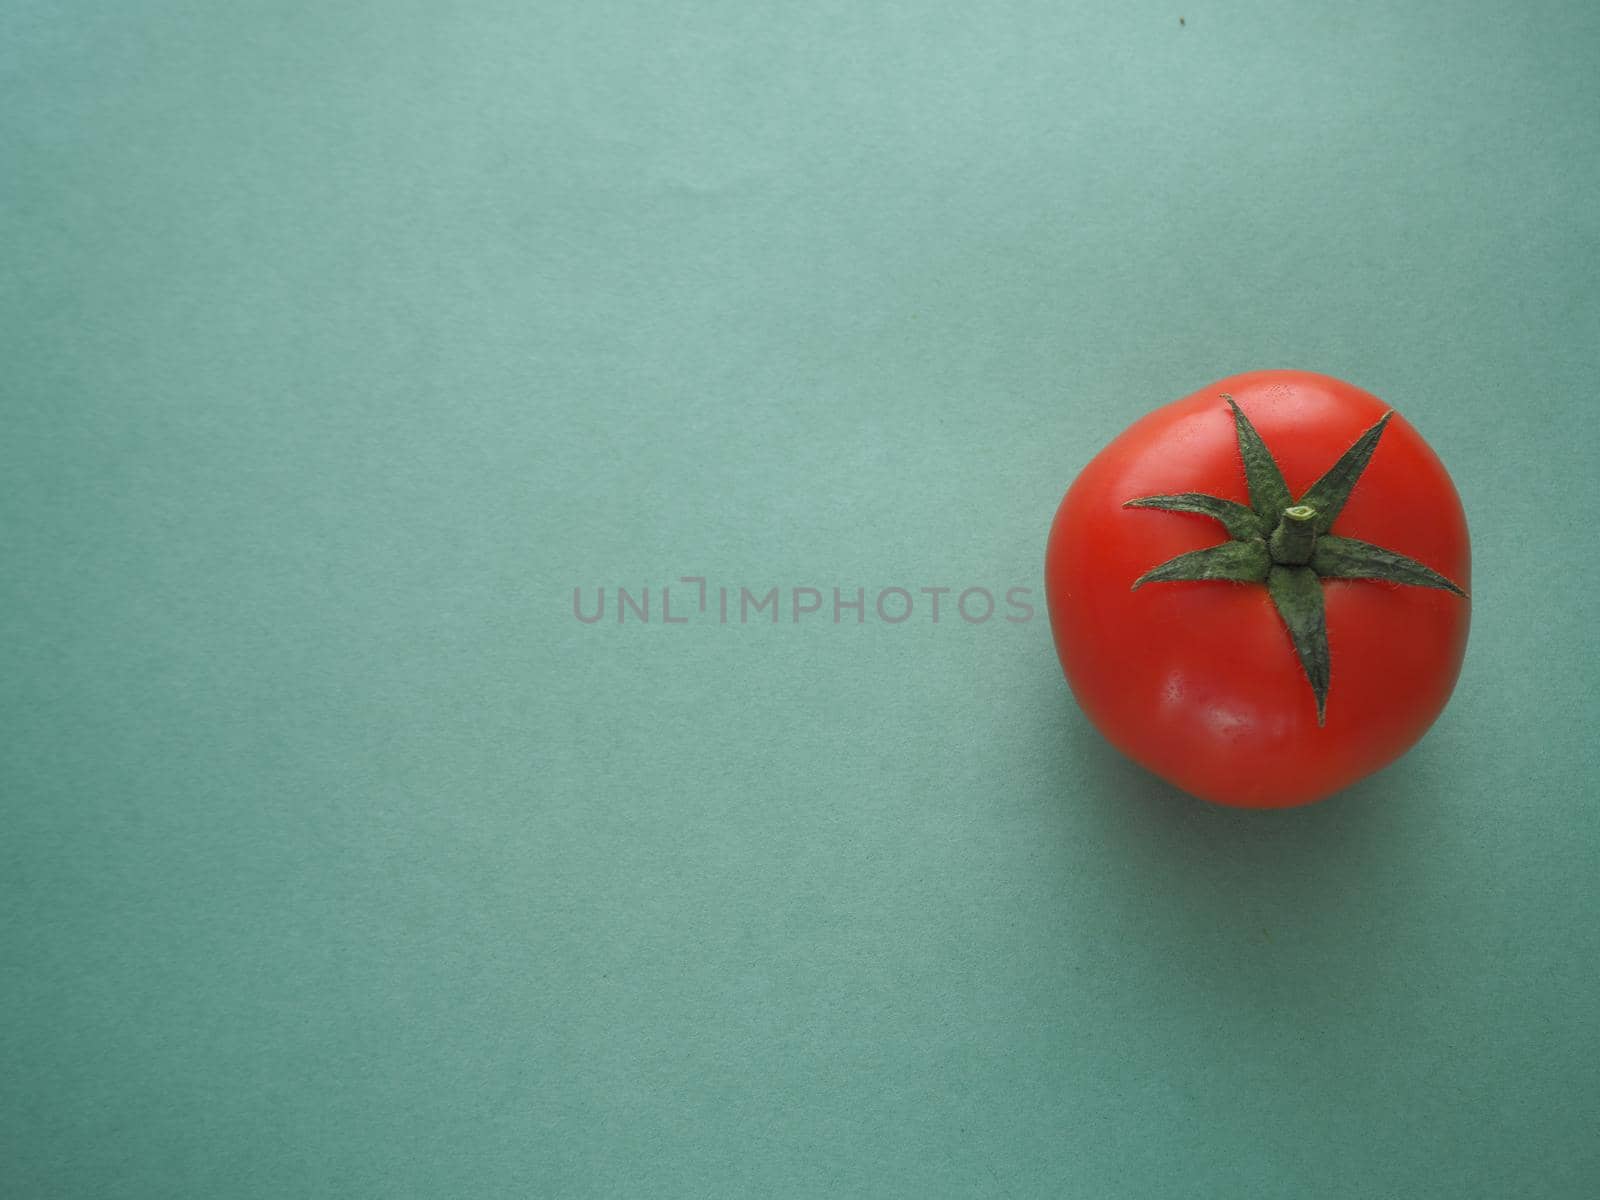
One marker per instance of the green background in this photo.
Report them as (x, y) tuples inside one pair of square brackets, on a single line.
[(342, 340)]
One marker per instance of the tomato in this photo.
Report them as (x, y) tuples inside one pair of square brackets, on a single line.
[(1321, 629)]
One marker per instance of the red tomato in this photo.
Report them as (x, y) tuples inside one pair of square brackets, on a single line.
[(1199, 680)]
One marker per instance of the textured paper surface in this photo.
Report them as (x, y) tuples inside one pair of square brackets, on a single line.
[(342, 341)]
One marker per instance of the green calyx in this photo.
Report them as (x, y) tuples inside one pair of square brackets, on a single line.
[(1285, 544)]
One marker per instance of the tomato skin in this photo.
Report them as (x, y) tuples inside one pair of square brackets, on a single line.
[(1199, 681)]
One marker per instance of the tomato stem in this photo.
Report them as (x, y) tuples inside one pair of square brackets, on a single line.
[(1295, 537)]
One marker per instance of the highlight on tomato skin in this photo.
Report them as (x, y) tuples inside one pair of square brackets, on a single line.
[(1261, 592)]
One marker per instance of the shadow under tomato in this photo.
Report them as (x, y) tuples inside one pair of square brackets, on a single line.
[(1258, 904)]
